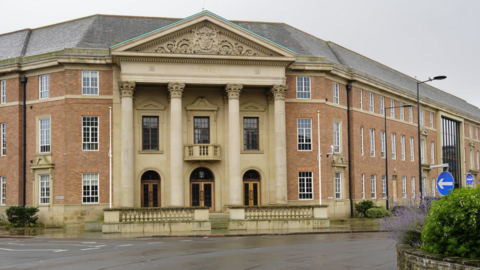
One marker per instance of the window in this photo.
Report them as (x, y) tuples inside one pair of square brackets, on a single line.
[(44, 86), (392, 110), (89, 82), (336, 94), (44, 135), (3, 193), (470, 132), (431, 119), (411, 149), (402, 112), (402, 144), (422, 150), (382, 138), (434, 187), (363, 186), (305, 183), (150, 133), (250, 133), (303, 88), (304, 131), (424, 187), (3, 139), (201, 126), (361, 99), (384, 186), (471, 159), (410, 114), (370, 102), (404, 187), (361, 140), (432, 152), (90, 187), (44, 188), (476, 136), (478, 160), (374, 187), (382, 105), (421, 117), (90, 133), (394, 146), (3, 92), (338, 191), (336, 137), (372, 142), (413, 186)]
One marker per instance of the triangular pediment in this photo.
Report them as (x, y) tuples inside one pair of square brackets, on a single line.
[(202, 104), (252, 107), (150, 105), (202, 34)]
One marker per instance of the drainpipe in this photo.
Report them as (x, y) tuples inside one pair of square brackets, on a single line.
[(23, 80), (349, 88)]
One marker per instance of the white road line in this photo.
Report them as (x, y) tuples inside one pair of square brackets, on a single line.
[(89, 248), (88, 242), (54, 250), (186, 240), (153, 243), (62, 250), (124, 245)]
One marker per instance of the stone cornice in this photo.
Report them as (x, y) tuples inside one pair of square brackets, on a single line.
[(233, 90), (126, 89)]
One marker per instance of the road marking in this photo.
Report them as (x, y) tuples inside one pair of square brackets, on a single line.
[(127, 245), (53, 250), (62, 250), (89, 248), (186, 240), (153, 243), (88, 242)]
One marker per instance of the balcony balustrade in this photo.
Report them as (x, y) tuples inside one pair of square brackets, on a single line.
[(202, 152)]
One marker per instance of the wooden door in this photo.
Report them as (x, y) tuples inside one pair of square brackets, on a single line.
[(251, 193), (202, 194), (150, 193)]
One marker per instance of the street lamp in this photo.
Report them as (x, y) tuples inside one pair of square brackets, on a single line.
[(418, 124), (386, 146)]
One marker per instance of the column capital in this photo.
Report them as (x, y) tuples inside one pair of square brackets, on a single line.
[(233, 90), (126, 88), (176, 89), (279, 91)]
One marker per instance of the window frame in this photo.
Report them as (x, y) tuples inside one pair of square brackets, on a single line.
[(195, 128), (422, 150), (432, 152), (410, 115), (471, 158), (336, 93), (337, 129), (394, 145), (338, 185), (301, 87), (402, 145), (422, 122), (48, 134), (371, 102), (361, 141), (402, 112), (373, 188), (412, 149), (384, 186), (305, 178), (3, 139), (470, 131), (478, 160), (44, 86), (431, 119), (404, 187), (86, 88), (150, 133), (361, 98), (90, 191), (3, 192), (91, 133), (47, 187), (245, 137), (3, 91), (383, 153), (412, 184), (308, 120), (363, 186), (392, 110), (382, 105), (372, 142)]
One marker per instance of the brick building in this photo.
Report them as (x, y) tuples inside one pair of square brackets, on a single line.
[(210, 112)]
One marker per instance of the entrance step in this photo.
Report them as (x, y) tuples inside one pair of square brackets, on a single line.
[(219, 221)]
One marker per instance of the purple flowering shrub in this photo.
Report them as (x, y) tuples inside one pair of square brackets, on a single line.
[(409, 218)]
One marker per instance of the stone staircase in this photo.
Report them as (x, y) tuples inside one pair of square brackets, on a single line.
[(219, 221)]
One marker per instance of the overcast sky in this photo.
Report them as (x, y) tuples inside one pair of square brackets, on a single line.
[(419, 38)]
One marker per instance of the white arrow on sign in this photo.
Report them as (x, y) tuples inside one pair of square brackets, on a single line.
[(441, 183)]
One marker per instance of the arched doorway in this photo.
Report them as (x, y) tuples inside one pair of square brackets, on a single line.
[(150, 189), (251, 188), (202, 188)]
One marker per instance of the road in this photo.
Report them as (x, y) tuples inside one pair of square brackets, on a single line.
[(320, 251)]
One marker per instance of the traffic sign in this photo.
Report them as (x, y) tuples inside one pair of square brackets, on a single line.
[(469, 179), (445, 183)]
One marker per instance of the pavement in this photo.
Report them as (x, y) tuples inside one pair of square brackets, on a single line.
[(356, 225)]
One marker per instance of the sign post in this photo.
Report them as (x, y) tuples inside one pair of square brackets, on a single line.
[(445, 183)]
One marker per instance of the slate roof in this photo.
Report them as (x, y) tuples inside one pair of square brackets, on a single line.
[(102, 31)]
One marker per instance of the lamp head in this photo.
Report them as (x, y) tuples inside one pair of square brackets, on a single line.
[(407, 106), (439, 77)]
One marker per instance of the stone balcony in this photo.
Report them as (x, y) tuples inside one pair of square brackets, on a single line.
[(198, 152)]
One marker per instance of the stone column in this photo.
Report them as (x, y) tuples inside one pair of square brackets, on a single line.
[(233, 92), (126, 94), (279, 92), (176, 145)]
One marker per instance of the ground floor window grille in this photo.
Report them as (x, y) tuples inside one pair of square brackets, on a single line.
[(305, 185), (44, 189), (90, 188), (338, 192)]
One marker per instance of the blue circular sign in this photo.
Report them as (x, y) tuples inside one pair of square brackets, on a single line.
[(445, 183), (469, 179)]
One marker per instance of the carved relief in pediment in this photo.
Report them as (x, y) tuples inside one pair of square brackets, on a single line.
[(252, 107), (205, 38)]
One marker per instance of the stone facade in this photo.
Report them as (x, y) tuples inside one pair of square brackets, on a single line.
[(206, 67)]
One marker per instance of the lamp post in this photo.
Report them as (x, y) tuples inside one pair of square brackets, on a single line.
[(386, 146), (418, 124)]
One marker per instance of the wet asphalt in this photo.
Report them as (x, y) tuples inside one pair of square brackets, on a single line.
[(315, 251)]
